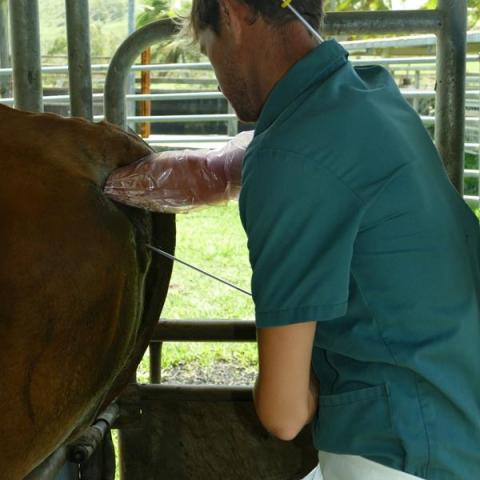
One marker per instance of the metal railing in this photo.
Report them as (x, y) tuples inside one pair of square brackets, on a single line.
[(402, 66), (448, 22)]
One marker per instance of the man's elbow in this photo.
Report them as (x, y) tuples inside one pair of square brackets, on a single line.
[(284, 427), (284, 432)]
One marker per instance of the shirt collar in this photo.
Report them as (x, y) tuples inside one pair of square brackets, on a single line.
[(315, 67)]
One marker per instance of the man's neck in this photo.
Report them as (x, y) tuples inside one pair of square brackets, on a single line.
[(275, 52)]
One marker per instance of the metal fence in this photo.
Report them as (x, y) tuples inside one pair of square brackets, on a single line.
[(415, 76)]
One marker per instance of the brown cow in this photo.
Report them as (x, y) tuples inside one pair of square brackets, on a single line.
[(79, 293)]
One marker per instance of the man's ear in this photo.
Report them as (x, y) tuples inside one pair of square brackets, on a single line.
[(236, 16)]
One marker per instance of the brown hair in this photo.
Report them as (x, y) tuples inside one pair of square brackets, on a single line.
[(206, 14)]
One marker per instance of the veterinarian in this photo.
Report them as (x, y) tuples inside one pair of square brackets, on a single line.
[(365, 260)]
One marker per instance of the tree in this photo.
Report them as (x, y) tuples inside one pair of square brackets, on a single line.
[(343, 5), (172, 50), (473, 10), (153, 10)]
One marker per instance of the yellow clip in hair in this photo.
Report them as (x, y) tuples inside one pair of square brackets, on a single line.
[(286, 4)]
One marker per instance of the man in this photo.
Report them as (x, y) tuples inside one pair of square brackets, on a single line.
[(366, 270)]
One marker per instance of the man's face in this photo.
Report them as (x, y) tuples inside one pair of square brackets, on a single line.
[(225, 58)]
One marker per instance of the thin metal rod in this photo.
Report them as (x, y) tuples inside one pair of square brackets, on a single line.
[(25, 36), (155, 349), (5, 90), (153, 394), (165, 97), (146, 89), (180, 118), (204, 331), (305, 23), (79, 60), (91, 438), (193, 267), (450, 100), (131, 77), (103, 67), (117, 77), (381, 22)]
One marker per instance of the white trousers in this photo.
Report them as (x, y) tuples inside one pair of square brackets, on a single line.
[(351, 467)]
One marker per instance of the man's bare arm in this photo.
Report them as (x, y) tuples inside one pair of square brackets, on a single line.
[(286, 392)]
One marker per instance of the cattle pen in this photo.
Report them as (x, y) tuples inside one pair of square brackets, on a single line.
[(207, 432)]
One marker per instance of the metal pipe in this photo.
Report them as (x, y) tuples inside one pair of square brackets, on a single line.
[(155, 349), (206, 393), (84, 446), (399, 21), (165, 97), (131, 76), (146, 89), (25, 36), (219, 117), (117, 76), (138, 97), (205, 331), (103, 67), (5, 90), (450, 102), (80, 73)]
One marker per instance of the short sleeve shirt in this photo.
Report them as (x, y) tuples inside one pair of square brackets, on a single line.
[(353, 223)]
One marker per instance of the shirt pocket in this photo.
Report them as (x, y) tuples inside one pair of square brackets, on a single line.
[(358, 423)]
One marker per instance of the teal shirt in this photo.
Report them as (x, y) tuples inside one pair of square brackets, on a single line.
[(353, 223)]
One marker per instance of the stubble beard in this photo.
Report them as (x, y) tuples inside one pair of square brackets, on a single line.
[(240, 96)]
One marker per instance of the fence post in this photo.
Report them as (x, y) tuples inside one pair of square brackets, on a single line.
[(116, 83), (232, 127), (450, 101), (155, 362), (27, 74), (5, 89), (146, 88), (477, 86), (416, 100), (131, 105), (79, 63)]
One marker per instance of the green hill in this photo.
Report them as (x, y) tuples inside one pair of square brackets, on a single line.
[(108, 27)]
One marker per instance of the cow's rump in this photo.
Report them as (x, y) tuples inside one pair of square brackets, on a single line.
[(79, 293)]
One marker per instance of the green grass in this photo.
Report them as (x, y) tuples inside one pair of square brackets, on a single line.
[(212, 239)]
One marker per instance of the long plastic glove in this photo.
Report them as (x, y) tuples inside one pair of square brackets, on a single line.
[(180, 180)]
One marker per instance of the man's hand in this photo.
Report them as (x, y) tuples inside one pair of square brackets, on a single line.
[(286, 391)]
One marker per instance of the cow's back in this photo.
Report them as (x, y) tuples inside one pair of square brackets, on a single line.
[(72, 280)]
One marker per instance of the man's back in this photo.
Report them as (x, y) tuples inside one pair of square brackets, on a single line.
[(387, 256)]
